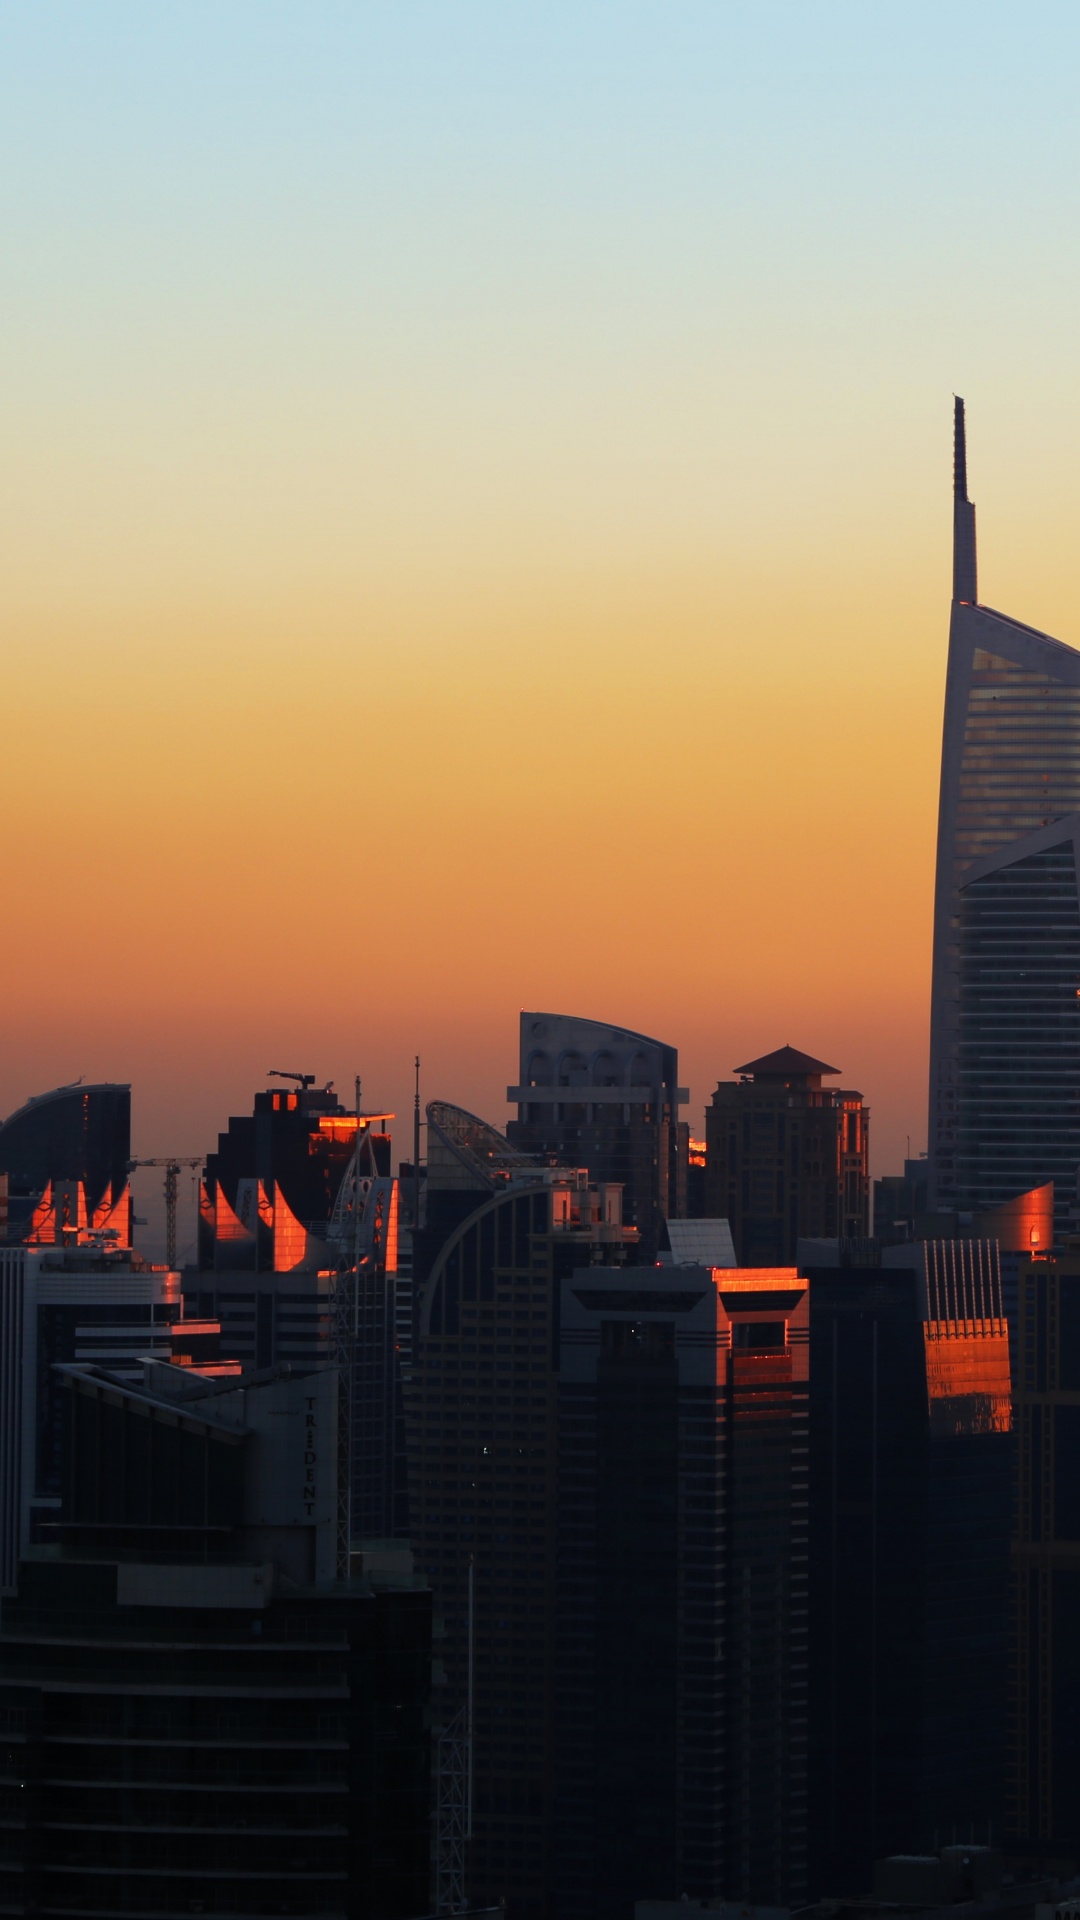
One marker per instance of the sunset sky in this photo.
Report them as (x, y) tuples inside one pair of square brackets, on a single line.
[(475, 513)]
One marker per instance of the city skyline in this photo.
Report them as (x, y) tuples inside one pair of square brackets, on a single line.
[(1028, 649), (450, 418), (540, 1043)]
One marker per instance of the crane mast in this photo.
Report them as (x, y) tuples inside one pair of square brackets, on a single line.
[(173, 1165)]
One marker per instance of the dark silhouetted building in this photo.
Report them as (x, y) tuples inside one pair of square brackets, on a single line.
[(1010, 767), (1044, 1773), (868, 1420), (697, 1197), (788, 1159), (601, 1097), (682, 1588), (198, 1716), (60, 1304), (910, 1468), (298, 1202), (900, 1204), (482, 1407), (65, 1157)]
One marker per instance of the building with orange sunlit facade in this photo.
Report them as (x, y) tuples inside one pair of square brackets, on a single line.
[(681, 1652), (64, 1161), (696, 1185), (298, 1193), (787, 1158)]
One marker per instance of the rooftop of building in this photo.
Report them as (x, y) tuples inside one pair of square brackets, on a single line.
[(75, 1089), (786, 1063)]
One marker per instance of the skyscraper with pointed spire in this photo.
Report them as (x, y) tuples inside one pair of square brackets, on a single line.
[(1010, 766)]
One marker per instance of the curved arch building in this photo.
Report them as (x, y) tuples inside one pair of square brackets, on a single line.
[(65, 1157), (604, 1097)]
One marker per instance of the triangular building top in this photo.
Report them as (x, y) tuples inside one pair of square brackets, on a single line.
[(965, 570), (785, 1063)]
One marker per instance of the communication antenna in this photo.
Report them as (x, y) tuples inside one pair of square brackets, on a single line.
[(416, 1158), (345, 1286)]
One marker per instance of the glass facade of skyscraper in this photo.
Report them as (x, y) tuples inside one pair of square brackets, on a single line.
[(1020, 763), (1018, 1082), (1010, 766)]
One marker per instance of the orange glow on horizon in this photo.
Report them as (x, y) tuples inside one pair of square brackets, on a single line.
[(463, 554)]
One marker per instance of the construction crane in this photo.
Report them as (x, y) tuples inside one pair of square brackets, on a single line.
[(173, 1166)]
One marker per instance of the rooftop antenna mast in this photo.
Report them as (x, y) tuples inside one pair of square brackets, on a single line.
[(344, 1294), (965, 571), (416, 1159)]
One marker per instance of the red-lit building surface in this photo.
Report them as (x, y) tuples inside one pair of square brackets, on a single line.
[(787, 1158), (681, 1651), (299, 1191), (269, 1196), (64, 1166)]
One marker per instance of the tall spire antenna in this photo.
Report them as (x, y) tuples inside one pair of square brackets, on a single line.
[(416, 1156), (965, 573)]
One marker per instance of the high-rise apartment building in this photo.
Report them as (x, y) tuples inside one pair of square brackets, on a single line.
[(787, 1159), (910, 1465), (868, 1417), (970, 1463), (681, 1648), (1017, 1068), (1010, 766), (64, 1304), (200, 1712), (598, 1096), (481, 1409), (1044, 1773), (298, 1202)]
